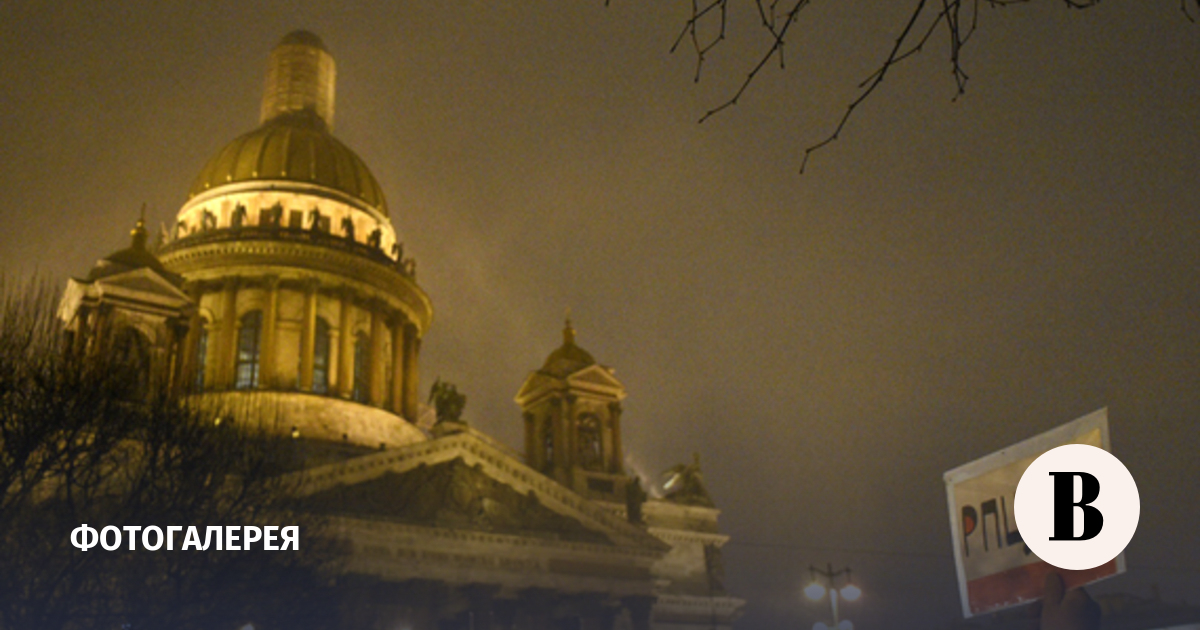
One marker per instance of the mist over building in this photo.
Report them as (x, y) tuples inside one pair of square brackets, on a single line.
[(282, 290)]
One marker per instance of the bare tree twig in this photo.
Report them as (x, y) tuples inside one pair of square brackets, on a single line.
[(713, 16)]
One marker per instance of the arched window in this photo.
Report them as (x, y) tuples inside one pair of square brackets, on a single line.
[(131, 355), (248, 350), (362, 362), (321, 358), (201, 358), (591, 445)]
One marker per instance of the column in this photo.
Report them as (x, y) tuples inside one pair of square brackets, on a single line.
[(533, 454), (345, 384), (100, 329), (639, 610), (82, 331), (176, 366), (187, 363), (375, 370), (571, 427), (308, 335), (227, 357), (412, 347), (479, 604), (267, 353), (536, 609), (398, 367), (616, 458), (425, 600), (563, 456), (504, 614)]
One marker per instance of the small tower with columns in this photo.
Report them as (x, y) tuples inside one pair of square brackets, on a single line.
[(572, 412)]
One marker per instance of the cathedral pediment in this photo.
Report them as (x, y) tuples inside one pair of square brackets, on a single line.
[(594, 379), (453, 495), (599, 379), (467, 482), (141, 289), (144, 282)]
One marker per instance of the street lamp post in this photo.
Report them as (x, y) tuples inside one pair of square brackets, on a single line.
[(815, 591)]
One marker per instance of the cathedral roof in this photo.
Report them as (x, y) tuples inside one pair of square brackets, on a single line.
[(136, 256), (293, 147), (568, 358)]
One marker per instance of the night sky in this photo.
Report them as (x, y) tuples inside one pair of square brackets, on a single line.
[(946, 279)]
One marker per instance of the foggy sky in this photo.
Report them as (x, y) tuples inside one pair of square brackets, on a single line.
[(946, 279)]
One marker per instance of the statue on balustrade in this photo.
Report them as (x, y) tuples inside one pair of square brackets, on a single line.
[(447, 401), (239, 217)]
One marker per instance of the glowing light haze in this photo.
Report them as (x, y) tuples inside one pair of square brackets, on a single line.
[(946, 279)]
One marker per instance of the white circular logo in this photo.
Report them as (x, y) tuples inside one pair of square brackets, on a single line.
[(1077, 506)]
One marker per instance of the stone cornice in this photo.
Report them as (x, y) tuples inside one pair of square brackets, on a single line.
[(687, 536)]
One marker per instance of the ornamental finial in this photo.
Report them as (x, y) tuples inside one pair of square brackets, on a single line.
[(568, 331), (139, 230)]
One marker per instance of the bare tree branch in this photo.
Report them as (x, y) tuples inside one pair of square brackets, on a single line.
[(707, 27)]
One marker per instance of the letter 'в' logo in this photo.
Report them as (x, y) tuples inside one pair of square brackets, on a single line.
[(1077, 506), (1064, 506)]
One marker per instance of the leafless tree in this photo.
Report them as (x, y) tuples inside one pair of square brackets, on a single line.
[(75, 448), (955, 20)]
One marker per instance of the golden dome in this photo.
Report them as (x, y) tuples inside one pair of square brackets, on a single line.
[(294, 147), (568, 358)]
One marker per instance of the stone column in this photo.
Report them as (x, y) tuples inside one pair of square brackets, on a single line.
[(267, 352), (176, 356), (308, 336), (563, 456), (375, 370), (504, 614), (479, 604), (345, 384), (79, 343), (425, 601), (227, 357), (533, 454), (100, 329), (536, 609), (571, 424), (639, 607), (617, 456), (186, 376), (608, 617), (398, 367), (412, 347)]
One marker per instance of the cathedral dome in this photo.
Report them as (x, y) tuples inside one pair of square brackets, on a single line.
[(295, 147), (568, 358)]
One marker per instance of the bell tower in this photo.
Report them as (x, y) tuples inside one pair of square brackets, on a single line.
[(572, 411)]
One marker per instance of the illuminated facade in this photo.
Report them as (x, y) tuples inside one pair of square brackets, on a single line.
[(282, 291)]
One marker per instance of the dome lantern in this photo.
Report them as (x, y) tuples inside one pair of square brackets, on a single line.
[(300, 78)]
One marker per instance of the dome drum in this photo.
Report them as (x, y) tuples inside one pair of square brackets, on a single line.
[(215, 258)]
